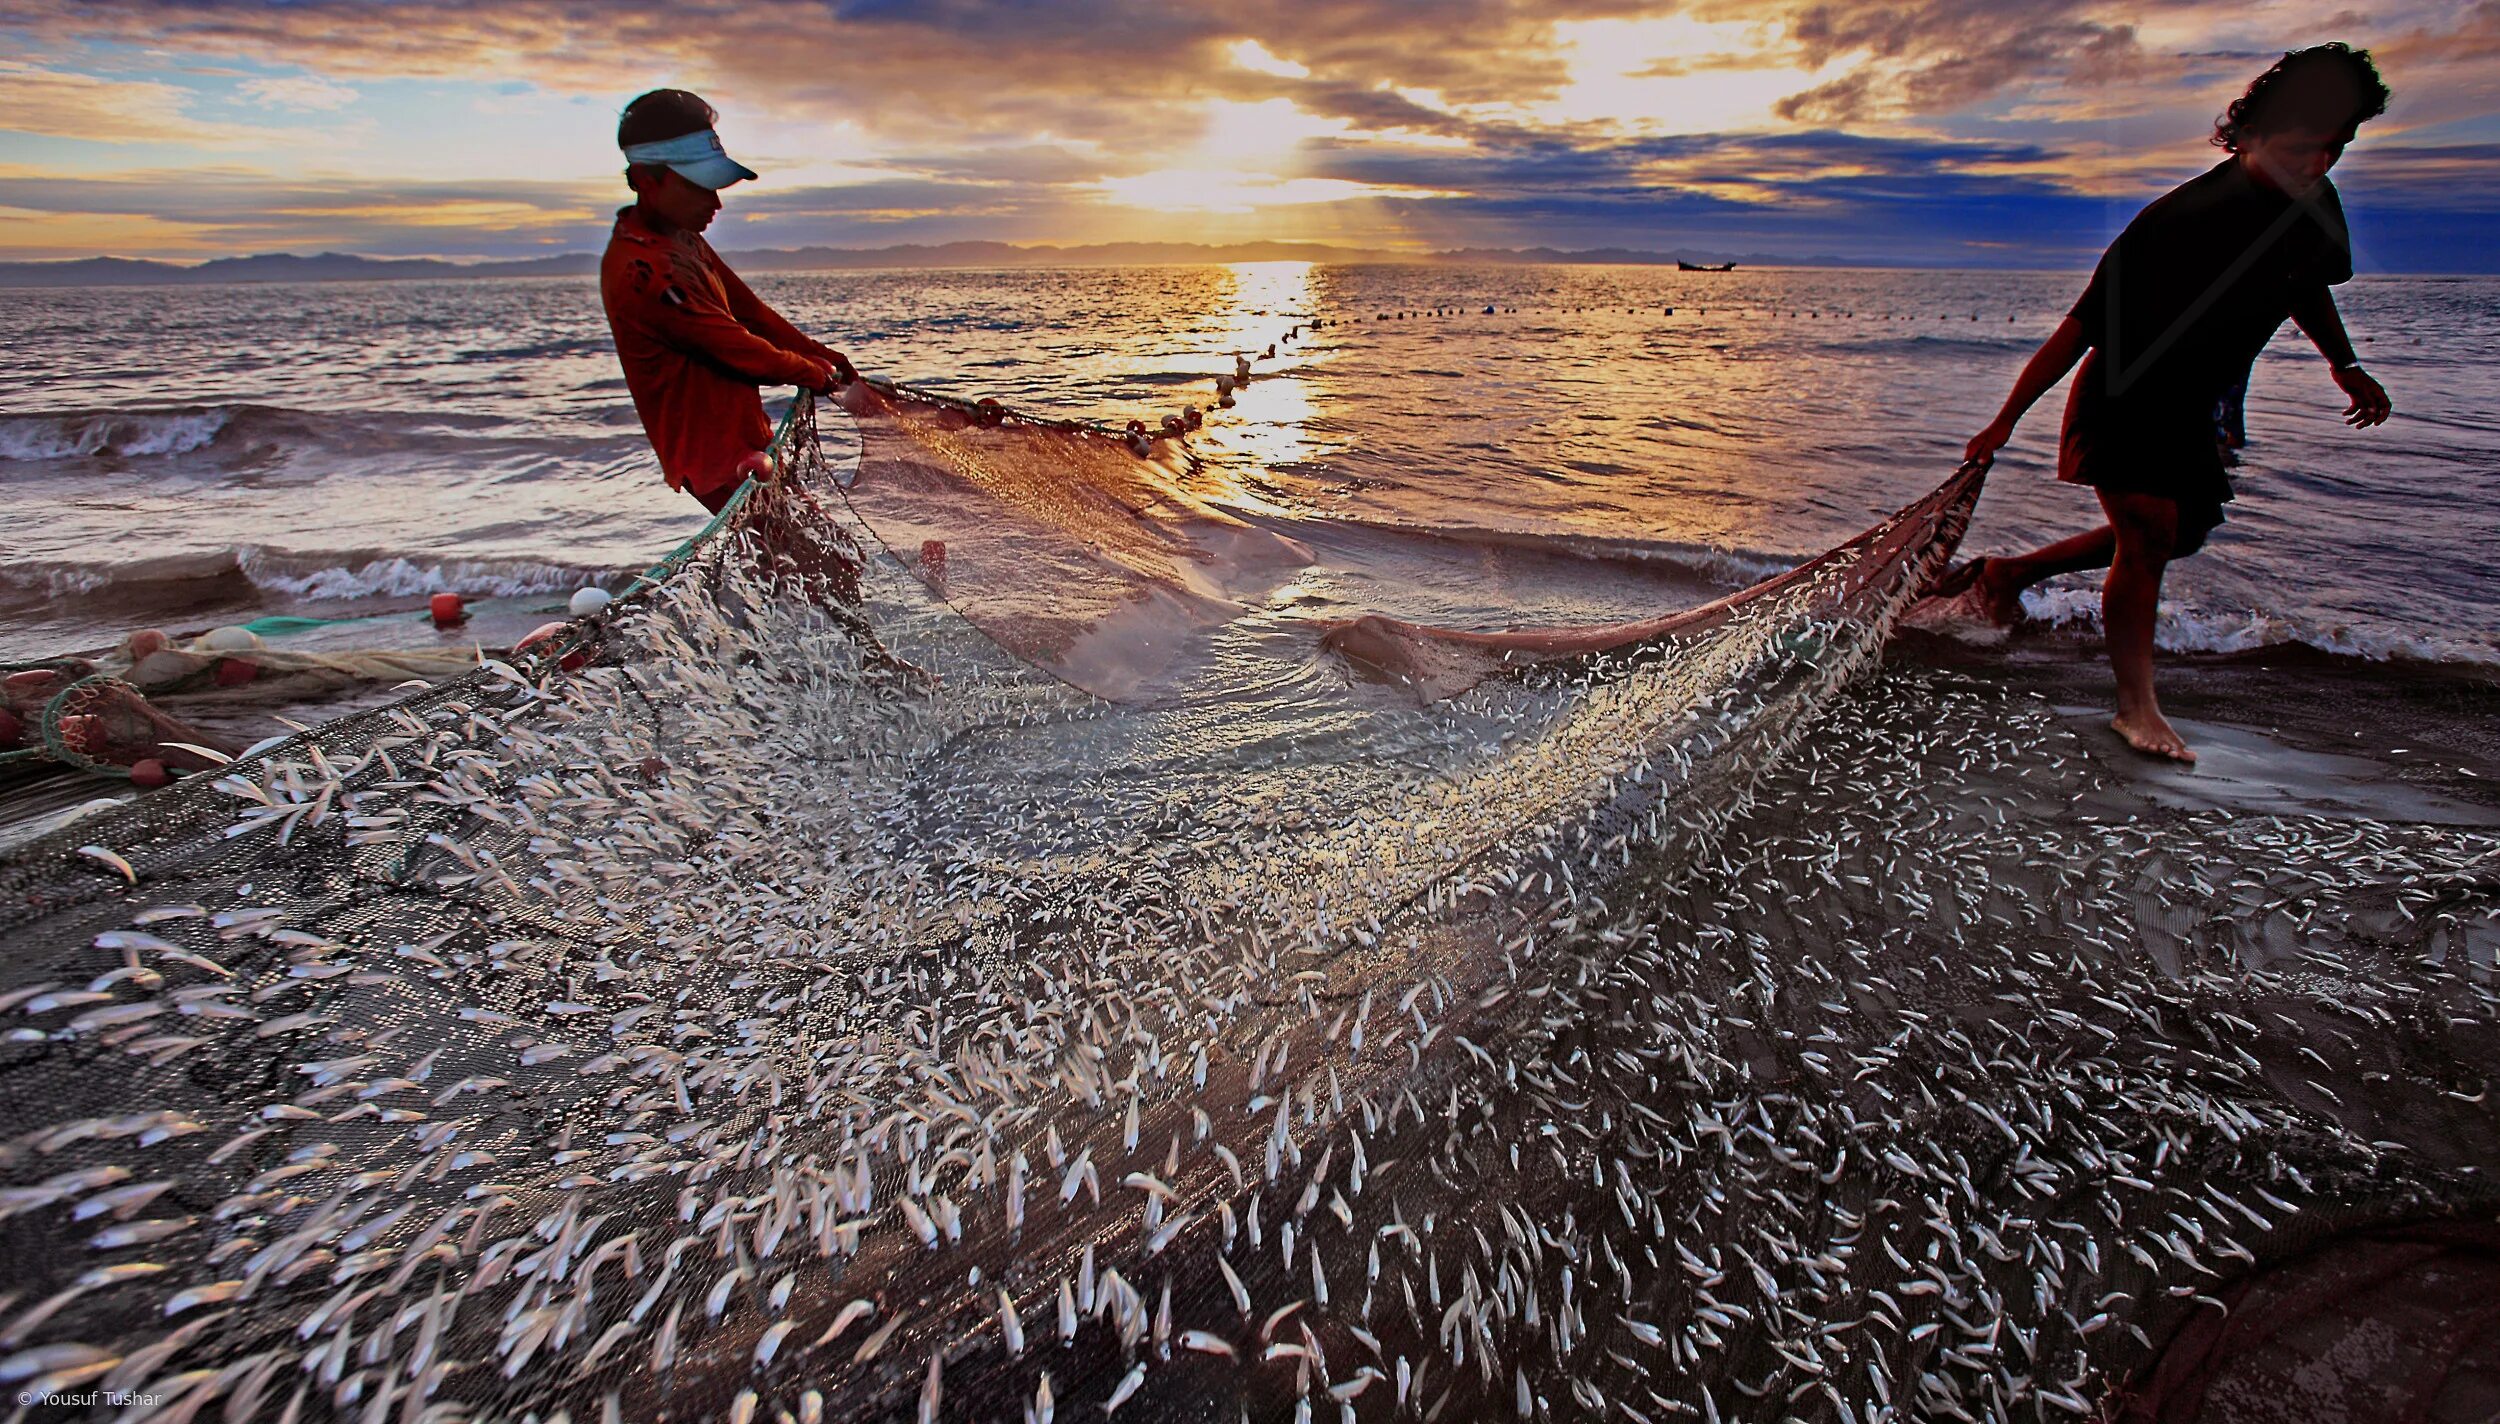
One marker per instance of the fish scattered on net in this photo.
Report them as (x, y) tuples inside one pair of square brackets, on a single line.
[(804, 1007)]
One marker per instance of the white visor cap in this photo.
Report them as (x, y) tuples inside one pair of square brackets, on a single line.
[(696, 157)]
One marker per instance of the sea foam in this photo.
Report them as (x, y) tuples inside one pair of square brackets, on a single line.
[(2186, 629)]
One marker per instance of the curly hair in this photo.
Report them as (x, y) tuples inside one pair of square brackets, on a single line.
[(2291, 91)]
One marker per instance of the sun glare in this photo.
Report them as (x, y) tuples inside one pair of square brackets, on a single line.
[(1255, 57), (1199, 190), (1672, 74), (1244, 161)]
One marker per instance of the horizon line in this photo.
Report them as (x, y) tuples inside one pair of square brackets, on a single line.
[(813, 257), (1665, 254)]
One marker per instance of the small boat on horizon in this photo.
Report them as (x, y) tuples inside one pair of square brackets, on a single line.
[(1683, 266)]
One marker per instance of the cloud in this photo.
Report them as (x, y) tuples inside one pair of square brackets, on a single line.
[(1848, 97), (2473, 39), (58, 104), (2089, 60), (1107, 69), (1907, 60), (2449, 178), (1490, 122), (1134, 73), (241, 209), (302, 91)]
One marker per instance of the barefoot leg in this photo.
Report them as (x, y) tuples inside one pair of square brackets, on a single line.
[(2146, 529), (2002, 581)]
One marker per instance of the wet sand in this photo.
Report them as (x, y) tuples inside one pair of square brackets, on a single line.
[(2279, 731)]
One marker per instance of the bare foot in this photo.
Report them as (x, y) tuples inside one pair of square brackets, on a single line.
[(1961, 605), (1996, 594), (2152, 734)]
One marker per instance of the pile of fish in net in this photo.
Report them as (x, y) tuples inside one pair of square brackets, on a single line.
[(795, 996)]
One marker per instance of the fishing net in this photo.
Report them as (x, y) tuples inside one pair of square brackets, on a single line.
[(106, 716), (71, 713), (781, 999), (1082, 552)]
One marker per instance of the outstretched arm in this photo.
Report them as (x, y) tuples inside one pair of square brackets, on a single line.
[(2046, 368), (752, 312), (712, 332), (2315, 311)]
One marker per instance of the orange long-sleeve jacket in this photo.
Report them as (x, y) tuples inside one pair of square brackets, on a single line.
[(695, 344)]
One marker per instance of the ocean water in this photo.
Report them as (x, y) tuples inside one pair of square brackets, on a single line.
[(1602, 443)]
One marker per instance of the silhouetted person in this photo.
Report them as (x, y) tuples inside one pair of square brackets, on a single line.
[(2180, 305), (2231, 419)]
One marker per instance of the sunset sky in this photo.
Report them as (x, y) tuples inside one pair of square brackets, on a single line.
[(1958, 132)]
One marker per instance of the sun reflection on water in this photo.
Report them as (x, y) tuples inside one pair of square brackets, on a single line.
[(1271, 426)]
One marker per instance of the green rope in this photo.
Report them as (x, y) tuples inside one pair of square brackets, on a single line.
[(671, 561), (675, 558), (278, 625), (52, 745)]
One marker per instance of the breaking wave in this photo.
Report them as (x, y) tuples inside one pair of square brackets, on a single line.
[(309, 576), (2195, 630), (79, 434), (354, 437), (400, 576)]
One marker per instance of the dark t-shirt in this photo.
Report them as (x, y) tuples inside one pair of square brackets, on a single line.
[(2180, 305)]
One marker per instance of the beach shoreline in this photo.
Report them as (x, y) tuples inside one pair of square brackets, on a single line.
[(2286, 729), (2283, 730)]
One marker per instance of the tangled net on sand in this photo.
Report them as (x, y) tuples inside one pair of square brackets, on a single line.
[(748, 1023)]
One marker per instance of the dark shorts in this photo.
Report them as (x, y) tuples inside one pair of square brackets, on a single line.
[(2125, 452), (2199, 517)]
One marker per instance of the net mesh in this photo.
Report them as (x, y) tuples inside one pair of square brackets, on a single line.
[(801, 1005), (1082, 552)]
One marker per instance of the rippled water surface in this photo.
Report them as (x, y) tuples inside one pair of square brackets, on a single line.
[(1601, 443)]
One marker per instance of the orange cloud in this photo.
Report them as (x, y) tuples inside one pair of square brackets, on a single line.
[(55, 103), (61, 103), (1485, 120), (211, 210)]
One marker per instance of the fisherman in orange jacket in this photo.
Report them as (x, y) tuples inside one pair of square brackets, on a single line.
[(695, 342)]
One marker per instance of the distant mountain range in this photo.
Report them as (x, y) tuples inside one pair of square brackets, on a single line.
[(347, 267)]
